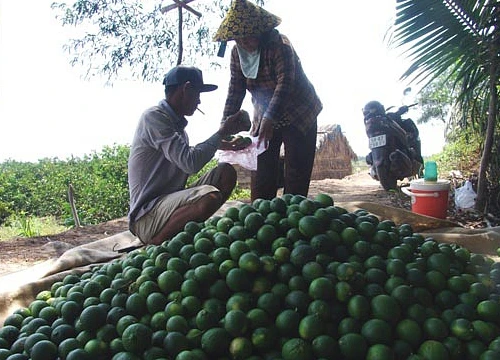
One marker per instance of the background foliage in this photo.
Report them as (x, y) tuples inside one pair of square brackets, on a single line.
[(40, 189), (137, 39), (99, 180)]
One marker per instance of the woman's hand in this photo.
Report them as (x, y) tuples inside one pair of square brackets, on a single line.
[(233, 124), (265, 132)]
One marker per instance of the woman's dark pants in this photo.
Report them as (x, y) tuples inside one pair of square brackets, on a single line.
[(298, 163)]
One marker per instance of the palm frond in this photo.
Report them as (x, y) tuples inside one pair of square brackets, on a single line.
[(433, 34)]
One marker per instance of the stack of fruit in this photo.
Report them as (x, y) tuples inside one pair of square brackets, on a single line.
[(239, 140), (290, 278)]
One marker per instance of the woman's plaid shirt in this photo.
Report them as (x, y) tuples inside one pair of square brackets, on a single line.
[(281, 92)]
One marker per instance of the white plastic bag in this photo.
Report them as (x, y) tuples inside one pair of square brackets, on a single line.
[(465, 196), (246, 158)]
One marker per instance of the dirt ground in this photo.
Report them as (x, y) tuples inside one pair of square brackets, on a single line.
[(19, 253)]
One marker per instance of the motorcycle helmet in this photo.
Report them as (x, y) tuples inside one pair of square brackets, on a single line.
[(373, 108)]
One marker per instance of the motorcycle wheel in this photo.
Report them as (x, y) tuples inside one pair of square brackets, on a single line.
[(387, 181)]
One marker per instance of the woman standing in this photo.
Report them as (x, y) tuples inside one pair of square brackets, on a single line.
[(286, 106)]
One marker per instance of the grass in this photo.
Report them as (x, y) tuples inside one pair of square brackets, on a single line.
[(360, 166), (27, 226)]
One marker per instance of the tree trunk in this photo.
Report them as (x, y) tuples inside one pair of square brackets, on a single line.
[(482, 181), (179, 57)]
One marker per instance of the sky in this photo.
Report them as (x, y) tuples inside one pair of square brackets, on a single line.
[(47, 110)]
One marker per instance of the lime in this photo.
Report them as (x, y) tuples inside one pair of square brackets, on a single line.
[(93, 317), (177, 323), (302, 254), (253, 221), (488, 310), (206, 319), (250, 262), (353, 346), (358, 307), (236, 322), (169, 281), (175, 343), (66, 346), (343, 291), (379, 352), (238, 280), (240, 348), (257, 317), (96, 348), (278, 205), (287, 322), (44, 350), (269, 302), (433, 350), (462, 329), (321, 288), (349, 236), (215, 341), (377, 331), (309, 226), (136, 338), (324, 200), (386, 308), (320, 308), (435, 329), (310, 327), (296, 349), (348, 325), (312, 270)]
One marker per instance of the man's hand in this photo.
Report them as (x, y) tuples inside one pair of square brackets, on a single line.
[(265, 132), (235, 143), (235, 123)]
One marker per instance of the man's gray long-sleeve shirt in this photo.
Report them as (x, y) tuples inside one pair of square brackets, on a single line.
[(161, 159)]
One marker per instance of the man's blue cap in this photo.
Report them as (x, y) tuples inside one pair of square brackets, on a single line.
[(181, 74)]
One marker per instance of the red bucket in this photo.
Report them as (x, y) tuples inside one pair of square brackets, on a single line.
[(429, 197)]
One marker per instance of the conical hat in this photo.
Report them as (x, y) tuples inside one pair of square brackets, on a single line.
[(245, 19)]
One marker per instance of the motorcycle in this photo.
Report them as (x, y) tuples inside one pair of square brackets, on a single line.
[(394, 143)]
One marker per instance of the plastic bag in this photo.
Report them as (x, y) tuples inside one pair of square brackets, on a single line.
[(465, 196), (246, 158)]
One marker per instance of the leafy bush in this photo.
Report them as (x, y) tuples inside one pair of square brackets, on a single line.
[(462, 152), (99, 180), (41, 189), (5, 212)]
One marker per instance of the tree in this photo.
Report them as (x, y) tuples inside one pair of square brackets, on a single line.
[(135, 39), (436, 99), (461, 37)]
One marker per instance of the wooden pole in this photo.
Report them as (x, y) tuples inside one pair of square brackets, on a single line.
[(71, 200), (180, 4), (181, 50)]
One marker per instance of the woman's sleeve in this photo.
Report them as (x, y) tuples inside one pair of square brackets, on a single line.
[(283, 60), (237, 86)]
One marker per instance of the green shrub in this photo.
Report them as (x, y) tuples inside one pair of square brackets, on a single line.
[(99, 180), (5, 212), (462, 153), (41, 189)]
